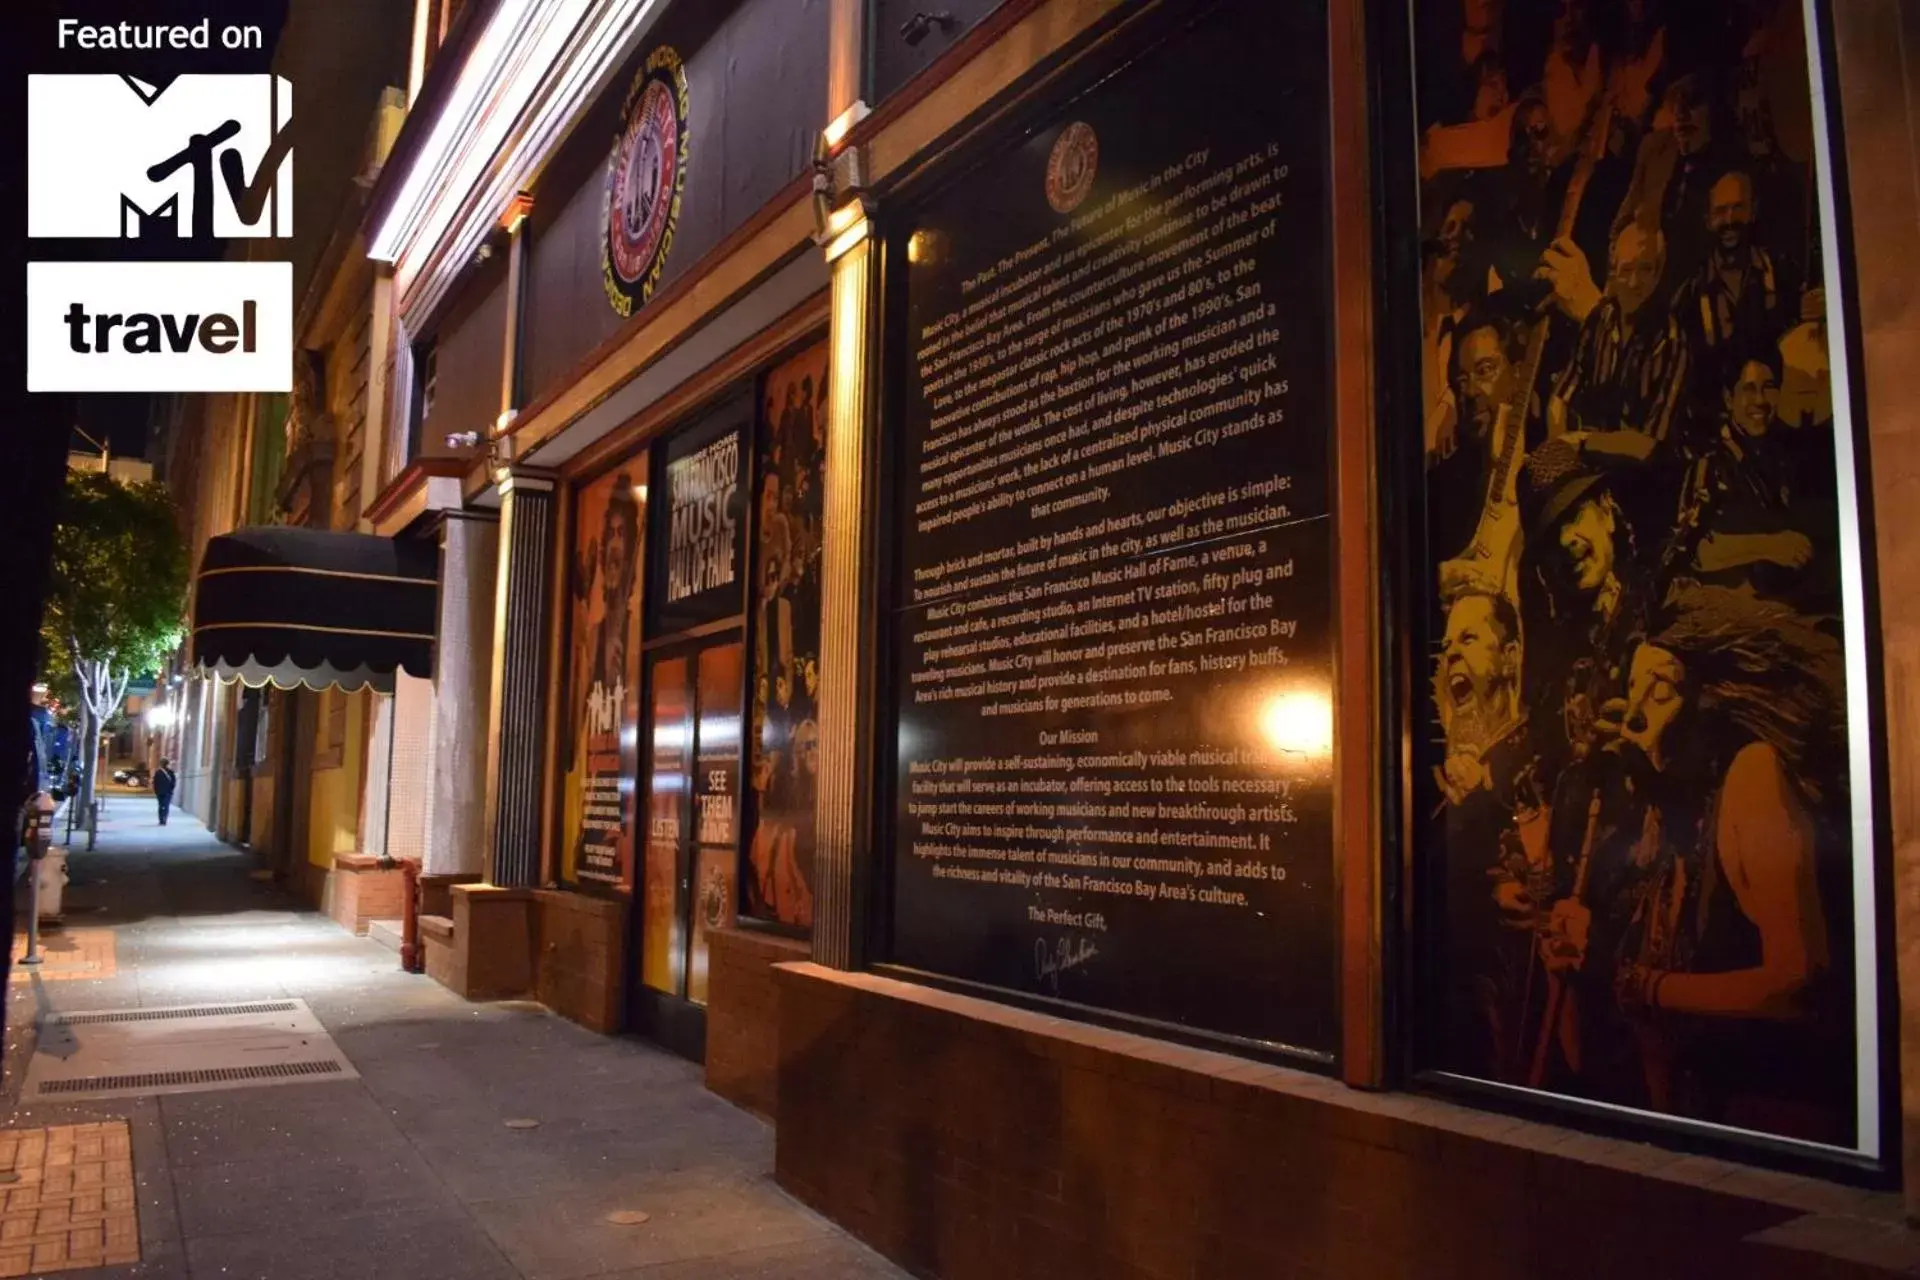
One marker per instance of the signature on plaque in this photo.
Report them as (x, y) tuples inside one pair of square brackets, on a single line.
[(1051, 959)]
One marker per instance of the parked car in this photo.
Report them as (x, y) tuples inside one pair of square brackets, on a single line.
[(137, 776)]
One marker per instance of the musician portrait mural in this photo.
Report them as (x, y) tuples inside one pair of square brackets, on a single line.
[(1638, 852), (785, 734)]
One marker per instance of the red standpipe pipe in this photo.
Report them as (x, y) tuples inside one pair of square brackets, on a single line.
[(413, 957)]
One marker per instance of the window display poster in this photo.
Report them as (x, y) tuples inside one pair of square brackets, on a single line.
[(1643, 861), (600, 716), (785, 741)]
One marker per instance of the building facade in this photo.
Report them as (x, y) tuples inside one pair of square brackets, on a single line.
[(1187, 639)]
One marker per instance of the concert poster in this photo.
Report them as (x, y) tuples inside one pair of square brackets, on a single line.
[(600, 717)]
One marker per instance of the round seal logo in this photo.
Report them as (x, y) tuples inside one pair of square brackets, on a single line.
[(713, 900), (1072, 166), (646, 176)]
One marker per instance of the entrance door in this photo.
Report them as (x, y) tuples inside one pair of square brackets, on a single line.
[(687, 882)]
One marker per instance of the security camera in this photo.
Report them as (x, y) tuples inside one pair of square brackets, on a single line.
[(462, 439), (915, 29)]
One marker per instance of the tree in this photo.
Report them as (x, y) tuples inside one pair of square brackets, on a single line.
[(116, 598)]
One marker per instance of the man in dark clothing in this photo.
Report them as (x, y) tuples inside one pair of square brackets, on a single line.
[(1740, 297), (163, 783)]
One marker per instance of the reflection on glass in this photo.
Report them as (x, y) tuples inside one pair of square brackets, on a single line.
[(716, 798), (1298, 721), (667, 784)]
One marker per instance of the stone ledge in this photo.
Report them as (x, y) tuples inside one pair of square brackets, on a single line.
[(743, 1015), (439, 928), (1786, 1225), (359, 890)]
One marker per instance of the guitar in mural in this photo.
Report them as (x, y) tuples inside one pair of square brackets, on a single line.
[(1489, 561)]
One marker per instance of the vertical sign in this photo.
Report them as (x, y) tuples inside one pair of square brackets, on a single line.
[(785, 741), (603, 688)]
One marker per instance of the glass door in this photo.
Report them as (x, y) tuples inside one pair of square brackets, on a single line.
[(670, 719), (693, 788)]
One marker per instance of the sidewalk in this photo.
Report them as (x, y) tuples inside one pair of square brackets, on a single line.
[(411, 1171)]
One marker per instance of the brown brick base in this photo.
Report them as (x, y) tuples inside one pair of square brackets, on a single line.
[(743, 1015), (972, 1141), (580, 945), (362, 891)]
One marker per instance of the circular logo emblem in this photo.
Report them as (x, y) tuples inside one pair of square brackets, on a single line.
[(1072, 166), (646, 175), (713, 900)]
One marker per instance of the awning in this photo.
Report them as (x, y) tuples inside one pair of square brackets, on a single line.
[(310, 607)]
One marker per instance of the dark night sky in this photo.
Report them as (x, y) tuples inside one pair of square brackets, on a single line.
[(121, 420)]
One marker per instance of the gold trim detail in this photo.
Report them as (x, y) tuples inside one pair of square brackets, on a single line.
[(306, 626), (322, 573)]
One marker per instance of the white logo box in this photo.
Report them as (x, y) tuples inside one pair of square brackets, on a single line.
[(115, 157), (179, 297)]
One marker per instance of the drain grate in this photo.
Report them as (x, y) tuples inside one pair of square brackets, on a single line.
[(156, 1015), (202, 1075)]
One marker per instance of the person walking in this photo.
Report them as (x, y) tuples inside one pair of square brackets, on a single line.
[(163, 782)]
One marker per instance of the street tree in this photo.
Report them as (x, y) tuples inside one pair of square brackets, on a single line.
[(115, 600)]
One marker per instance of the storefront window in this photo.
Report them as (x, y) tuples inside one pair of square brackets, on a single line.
[(1112, 767), (1643, 863), (600, 716), (785, 739)]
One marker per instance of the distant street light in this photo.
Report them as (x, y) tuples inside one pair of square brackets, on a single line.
[(161, 716)]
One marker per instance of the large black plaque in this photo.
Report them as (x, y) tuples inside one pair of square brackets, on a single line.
[(1113, 628)]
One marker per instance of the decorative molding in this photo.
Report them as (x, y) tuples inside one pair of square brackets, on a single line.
[(695, 392), (411, 484), (752, 251)]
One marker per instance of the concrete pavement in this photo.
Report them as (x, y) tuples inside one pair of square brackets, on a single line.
[(410, 1172)]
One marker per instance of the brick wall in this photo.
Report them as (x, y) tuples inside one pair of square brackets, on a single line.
[(362, 892), (743, 1015), (967, 1139), (580, 944)]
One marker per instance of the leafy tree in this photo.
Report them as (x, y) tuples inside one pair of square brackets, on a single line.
[(116, 598)]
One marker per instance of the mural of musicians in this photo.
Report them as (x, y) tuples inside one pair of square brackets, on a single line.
[(785, 742), (1638, 866)]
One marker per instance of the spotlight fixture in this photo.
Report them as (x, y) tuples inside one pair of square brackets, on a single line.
[(915, 29)]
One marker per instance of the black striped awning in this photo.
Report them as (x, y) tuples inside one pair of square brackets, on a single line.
[(311, 607)]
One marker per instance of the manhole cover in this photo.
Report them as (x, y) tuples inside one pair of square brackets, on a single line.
[(628, 1217)]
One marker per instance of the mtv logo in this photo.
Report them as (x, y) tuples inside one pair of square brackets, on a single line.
[(114, 157)]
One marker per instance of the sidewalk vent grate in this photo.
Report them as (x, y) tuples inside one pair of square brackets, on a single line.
[(204, 1075), (155, 1015)]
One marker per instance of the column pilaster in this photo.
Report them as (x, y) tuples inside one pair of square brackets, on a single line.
[(848, 631), (518, 700)]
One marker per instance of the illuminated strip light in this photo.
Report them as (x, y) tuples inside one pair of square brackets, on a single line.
[(531, 71), (570, 79), (482, 69), (537, 45)]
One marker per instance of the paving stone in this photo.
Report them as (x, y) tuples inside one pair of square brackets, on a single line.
[(407, 1173), (690, 1217)]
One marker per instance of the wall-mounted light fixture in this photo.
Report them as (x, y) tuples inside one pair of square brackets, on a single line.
[(917, 28)]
